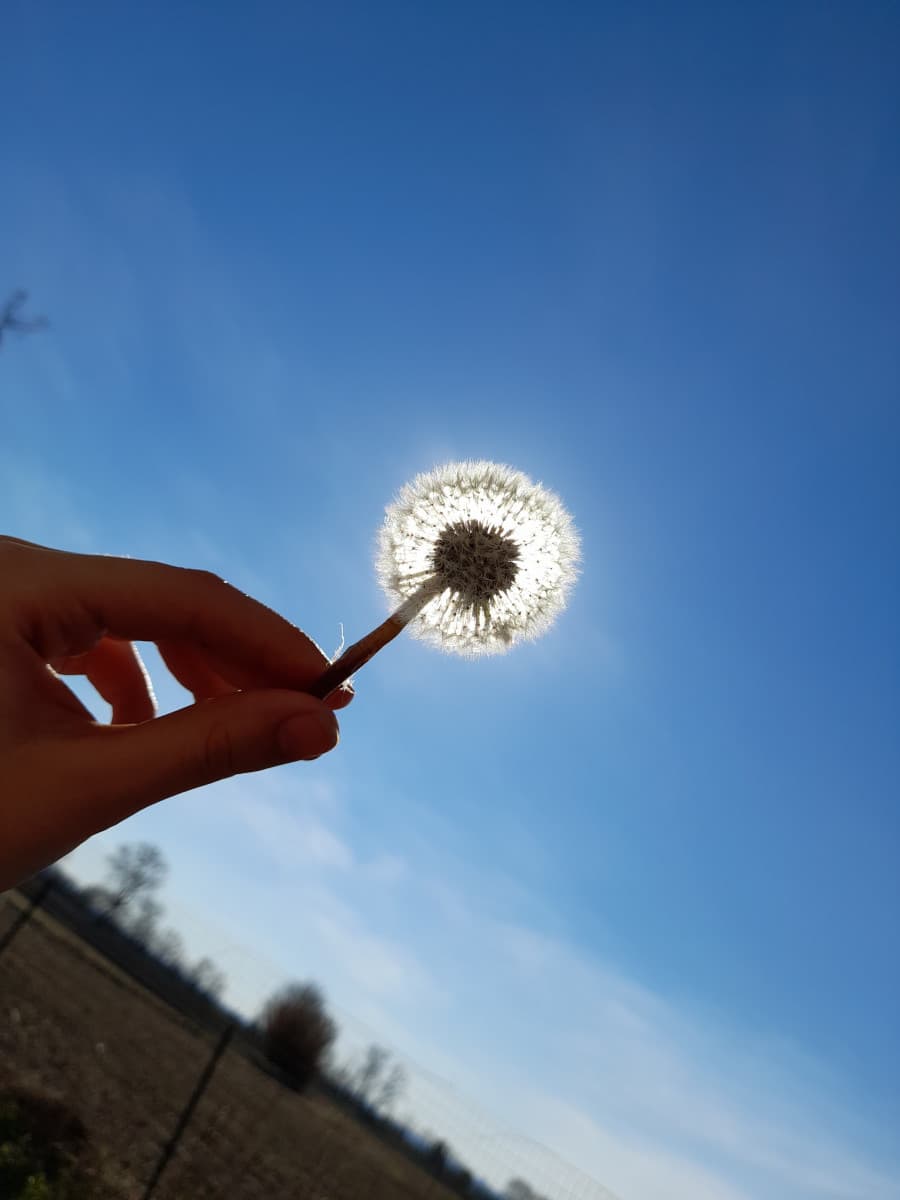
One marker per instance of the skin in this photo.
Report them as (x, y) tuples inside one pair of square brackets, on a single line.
[(65, 776)]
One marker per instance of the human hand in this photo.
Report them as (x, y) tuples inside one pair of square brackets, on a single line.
[(63, 775)]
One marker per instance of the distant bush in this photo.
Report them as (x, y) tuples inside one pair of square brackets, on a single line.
[(518, 1189), (41, 1142), (438, 1156), (297, 1031), (206, 978)]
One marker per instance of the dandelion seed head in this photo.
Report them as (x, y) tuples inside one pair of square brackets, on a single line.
[(475, 560), (496, 552)]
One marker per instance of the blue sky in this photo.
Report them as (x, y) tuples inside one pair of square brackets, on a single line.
[(631, 892)]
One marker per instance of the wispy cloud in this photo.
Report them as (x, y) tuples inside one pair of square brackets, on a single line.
[(387, 869), (640, 1168), (664, 1094), (378, 966), (658, 1100), (652, 1098), (41, 507), (291, 836)]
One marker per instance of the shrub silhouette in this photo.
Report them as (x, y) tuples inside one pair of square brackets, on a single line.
[(438, 1157), (297, 1031), (41, 1143)]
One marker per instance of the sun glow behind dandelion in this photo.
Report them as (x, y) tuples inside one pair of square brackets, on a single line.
[(494, 553)]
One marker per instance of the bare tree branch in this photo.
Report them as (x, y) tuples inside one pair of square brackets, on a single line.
[(13, 320)]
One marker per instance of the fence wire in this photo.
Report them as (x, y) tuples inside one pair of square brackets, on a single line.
[(126, 1067)]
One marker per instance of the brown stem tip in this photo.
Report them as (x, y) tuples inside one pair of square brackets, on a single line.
[(360, 652)]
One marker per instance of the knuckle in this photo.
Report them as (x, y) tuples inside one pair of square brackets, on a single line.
[(207, 580), (11, 548), (44, 611), (200, 589), (71, 630), (219, 758)]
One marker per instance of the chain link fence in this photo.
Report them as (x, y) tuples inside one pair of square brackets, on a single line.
[(141, 1088)]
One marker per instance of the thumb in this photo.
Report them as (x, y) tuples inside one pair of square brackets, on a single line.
[(139, 764)]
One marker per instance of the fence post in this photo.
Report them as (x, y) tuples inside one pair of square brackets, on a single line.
[(184, 1120), (26, 914)]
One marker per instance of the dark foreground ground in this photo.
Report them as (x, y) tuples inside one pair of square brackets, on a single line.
[(73, 1028)]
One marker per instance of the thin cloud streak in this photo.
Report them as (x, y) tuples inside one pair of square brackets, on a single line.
[(291, 837), (653, 1093), (675, 1081), (654, 1099)]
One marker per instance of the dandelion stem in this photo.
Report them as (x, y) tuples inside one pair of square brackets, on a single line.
[(360, 652)]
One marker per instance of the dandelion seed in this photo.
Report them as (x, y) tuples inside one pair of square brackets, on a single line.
[(495, 553), (476, 557)]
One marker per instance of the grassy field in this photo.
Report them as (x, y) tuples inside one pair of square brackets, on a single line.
[(74, 1028)]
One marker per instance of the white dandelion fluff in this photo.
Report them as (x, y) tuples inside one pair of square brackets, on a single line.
[(492, 553), (476, 557)]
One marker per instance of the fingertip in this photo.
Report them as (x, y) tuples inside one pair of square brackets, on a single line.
[(133, 710), (307, 735), (341, 696)]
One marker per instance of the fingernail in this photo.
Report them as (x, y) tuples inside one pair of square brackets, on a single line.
[(308, 735)]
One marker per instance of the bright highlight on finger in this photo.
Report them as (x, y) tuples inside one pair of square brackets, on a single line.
[(115, 669), (152, 602)]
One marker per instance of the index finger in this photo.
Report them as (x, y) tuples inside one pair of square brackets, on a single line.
[(150, 601)]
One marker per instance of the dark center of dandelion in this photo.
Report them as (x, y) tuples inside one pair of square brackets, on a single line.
[(478, 561)]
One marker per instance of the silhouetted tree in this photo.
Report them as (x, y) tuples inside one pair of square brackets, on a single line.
[(438, 1156), (207, 978), (143, 923), (12, 320), (376, 1080), (297, 1031), (168, 946), (518, 1189), (461, 1180), (369, 1073), (134, 872), (392, 1088), (99, 898)]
